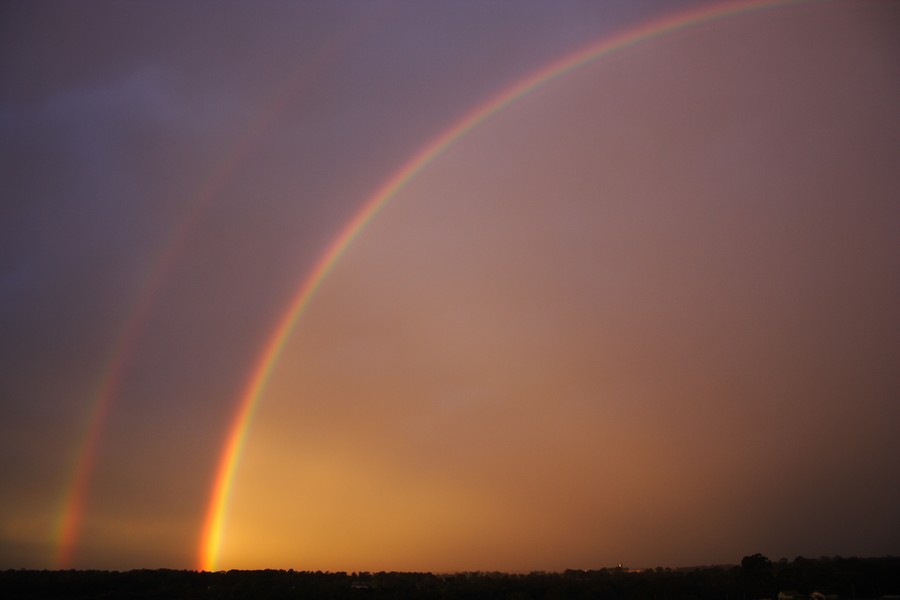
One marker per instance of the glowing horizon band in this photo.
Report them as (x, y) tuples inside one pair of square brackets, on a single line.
[(215, 517)]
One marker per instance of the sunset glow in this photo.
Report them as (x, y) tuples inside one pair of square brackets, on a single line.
[(609, 285)]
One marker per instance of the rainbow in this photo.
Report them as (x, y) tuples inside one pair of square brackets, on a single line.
[(214, 523), (72, 507)]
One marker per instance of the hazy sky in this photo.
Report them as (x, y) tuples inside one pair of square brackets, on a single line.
[(646, 314)]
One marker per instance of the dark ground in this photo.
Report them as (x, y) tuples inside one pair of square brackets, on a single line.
[(757, 577)]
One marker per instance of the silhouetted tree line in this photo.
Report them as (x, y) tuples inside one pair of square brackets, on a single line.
[(755, 578)]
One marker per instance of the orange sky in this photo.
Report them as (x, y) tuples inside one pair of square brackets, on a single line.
[(645, 315)]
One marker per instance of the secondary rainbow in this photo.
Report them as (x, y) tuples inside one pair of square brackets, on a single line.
[(214, 522), (75, 494)]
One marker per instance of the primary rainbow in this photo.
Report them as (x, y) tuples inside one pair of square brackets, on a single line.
[(215, 517)]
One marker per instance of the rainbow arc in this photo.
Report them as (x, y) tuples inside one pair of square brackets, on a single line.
[(214, 524)]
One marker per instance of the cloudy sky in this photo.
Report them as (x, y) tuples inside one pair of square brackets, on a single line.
[(645, 313)]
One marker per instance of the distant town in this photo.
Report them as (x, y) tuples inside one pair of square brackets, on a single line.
[(755, 578)]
